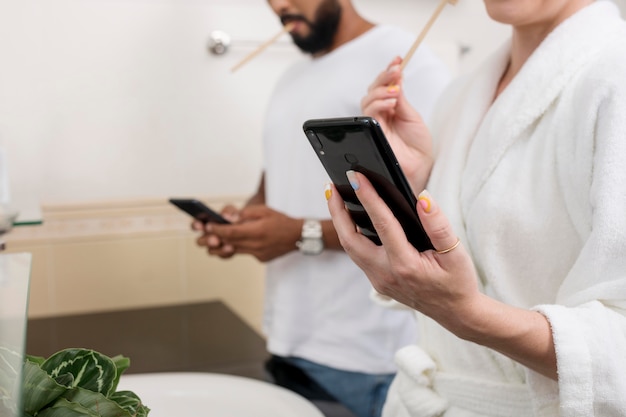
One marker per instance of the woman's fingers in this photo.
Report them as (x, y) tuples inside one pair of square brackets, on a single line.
[(436, 225), (387, 227), (390, 76), (379, 108), (384, 87), (390, 231), (343, 223), (350, 238)]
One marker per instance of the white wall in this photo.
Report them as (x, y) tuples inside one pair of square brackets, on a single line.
[(119, 99)]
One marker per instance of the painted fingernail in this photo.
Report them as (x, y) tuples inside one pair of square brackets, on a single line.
[(425, 200), (393, 88), (354, 182), (328, 192), (391, 101)]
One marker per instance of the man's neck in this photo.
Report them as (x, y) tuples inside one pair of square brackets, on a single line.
[(350, 27)]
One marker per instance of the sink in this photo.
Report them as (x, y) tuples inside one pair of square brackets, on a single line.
[(197, 394)]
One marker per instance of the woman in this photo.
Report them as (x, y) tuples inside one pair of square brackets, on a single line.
[(526, 316)]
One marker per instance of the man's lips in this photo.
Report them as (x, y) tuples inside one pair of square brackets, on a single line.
[(294, 25), (294, 21)]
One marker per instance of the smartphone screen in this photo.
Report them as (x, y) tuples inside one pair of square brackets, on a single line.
[(358, 143), (198, 210)]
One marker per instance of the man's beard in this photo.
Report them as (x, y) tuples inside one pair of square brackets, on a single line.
[(323, 28)]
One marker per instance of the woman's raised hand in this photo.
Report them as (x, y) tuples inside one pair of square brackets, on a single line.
[(403, 126)]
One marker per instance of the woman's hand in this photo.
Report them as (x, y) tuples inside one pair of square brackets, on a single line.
[(403, 126), (441, 283)]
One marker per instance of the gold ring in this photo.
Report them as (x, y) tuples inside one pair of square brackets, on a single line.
[(450, 249)]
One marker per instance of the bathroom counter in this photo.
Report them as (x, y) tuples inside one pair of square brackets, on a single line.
[(203, 337)]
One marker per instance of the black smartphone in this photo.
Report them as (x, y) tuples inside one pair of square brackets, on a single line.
[(359, 144), (198, 210)]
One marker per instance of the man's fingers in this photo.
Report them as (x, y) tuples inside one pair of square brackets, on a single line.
[(229, 233), (197, 226), (224, 252)]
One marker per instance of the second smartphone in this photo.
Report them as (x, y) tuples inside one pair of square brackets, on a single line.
[(358, 143), (198, 210)]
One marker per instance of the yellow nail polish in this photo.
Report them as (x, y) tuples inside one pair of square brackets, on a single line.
[(328, 192), (424, 200), (393, 88)]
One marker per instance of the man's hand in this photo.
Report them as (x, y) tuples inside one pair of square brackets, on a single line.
[(259, 231)]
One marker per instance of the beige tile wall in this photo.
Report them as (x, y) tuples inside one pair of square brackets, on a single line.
[(126, 254)]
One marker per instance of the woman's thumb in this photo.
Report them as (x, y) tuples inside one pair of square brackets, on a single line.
[(436, 224)]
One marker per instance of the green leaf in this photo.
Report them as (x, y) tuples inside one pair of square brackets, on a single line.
[(67, 380), (96, 403), (39, 389), (36, 359), (77, 383), (129, 401), (65, 408), (91, 370), (121, 364)]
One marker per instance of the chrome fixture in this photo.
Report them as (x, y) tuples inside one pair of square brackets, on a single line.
[(219, 42)]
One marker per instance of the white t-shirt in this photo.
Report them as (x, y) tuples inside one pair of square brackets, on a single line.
[(318, 307)]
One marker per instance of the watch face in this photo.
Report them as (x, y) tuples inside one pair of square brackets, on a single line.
[(311, 246)]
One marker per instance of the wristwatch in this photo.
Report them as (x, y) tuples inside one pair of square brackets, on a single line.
[(311, 242)]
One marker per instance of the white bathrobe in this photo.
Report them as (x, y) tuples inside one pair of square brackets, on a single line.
[(535, 186)]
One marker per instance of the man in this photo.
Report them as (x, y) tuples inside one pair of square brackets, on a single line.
[(326, 337)]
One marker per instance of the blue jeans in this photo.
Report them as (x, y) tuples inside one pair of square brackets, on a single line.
[(364, 394)]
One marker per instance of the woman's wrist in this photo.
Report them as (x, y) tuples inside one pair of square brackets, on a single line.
[(523, 335)]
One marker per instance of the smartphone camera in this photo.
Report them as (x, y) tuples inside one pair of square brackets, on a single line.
[(315, 141)]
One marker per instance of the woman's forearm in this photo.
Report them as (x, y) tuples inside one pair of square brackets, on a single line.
[(523, 335)]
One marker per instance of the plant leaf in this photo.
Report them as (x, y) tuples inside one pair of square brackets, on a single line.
[(67, 380), (96, 403), (121, 364), (39, 388), (36, 359), (77, 383), (129, 401), (92, 370), (65, 408)]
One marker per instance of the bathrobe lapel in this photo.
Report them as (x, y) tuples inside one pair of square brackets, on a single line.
[(453, 141), (530, 95)]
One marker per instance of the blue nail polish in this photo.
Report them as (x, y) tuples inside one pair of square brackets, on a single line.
[(354, 182)]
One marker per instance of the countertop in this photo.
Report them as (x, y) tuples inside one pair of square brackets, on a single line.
[(203, 337)]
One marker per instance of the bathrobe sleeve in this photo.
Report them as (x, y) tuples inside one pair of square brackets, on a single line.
[(588, 319)]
